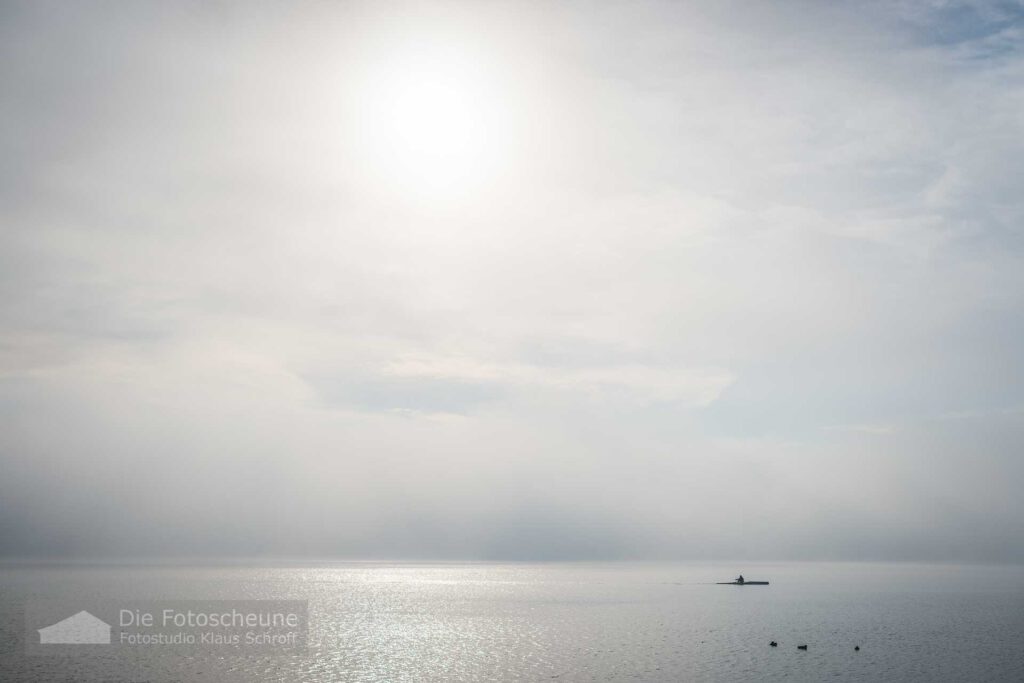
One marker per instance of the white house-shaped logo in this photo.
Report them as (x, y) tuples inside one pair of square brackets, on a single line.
[(79, 629)]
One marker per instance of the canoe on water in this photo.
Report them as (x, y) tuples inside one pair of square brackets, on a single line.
[(745, 583)]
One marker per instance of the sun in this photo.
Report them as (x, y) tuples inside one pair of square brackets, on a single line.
[(431, 123)]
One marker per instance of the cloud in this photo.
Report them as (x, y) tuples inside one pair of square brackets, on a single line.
[(730, 272)]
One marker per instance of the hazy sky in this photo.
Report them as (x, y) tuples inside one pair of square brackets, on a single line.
[(524, 280)]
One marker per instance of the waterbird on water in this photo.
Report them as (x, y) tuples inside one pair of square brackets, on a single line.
[(773, 644), (801, 647)]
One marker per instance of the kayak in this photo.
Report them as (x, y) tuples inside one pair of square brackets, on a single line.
[(745, 583)]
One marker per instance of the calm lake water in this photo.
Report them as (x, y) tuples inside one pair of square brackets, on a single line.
[(567, 622)]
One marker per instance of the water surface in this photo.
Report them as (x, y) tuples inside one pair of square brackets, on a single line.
[(568, 622)]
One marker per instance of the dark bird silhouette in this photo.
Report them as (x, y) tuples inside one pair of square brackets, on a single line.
[(856, 648), (801, 647), (773, 644)]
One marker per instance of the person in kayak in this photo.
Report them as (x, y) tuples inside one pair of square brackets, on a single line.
[(740, 580)]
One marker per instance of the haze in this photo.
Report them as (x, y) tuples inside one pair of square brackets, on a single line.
[(512, 281)]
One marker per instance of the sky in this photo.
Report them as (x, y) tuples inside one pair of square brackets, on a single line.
[(512, 281)]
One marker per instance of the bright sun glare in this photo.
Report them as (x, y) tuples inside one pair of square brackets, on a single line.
[(431, 124)]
